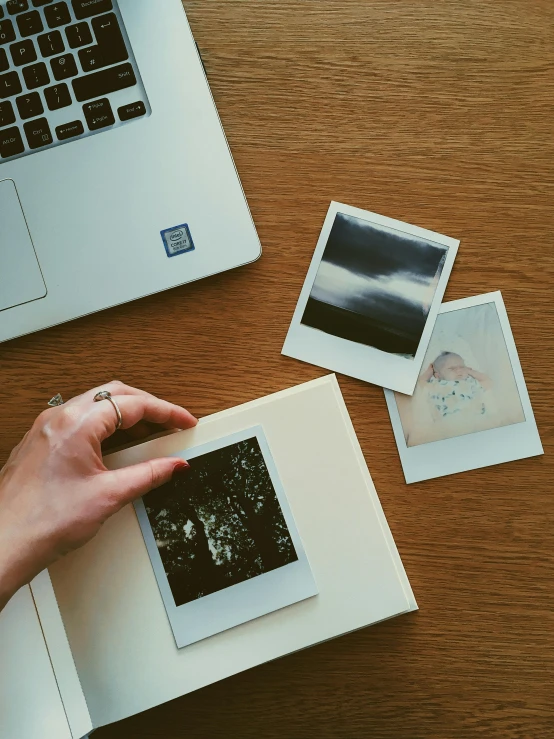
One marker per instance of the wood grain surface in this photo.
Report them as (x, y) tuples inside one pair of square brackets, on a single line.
[(439, 113)]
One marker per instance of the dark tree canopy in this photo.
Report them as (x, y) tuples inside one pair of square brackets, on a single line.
[(220, 524)]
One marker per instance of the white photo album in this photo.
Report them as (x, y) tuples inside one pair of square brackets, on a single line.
[(371, 297), (471, 407), (222, 539)]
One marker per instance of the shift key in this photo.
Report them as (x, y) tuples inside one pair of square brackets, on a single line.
[(102, 83)]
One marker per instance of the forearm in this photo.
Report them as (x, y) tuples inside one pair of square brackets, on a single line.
[(10, 574), (16, 560), (479, 376), (485, 380)]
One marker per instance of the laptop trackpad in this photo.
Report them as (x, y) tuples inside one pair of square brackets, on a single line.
[(20, 276)]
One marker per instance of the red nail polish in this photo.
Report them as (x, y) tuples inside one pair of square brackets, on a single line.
[(180, 468)]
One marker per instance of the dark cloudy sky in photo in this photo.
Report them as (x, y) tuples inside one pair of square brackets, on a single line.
[(382, 274)]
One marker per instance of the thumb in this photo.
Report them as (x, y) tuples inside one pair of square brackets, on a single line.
[(129, 483)]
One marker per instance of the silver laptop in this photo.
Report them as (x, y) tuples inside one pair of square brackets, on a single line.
[(116, 180)]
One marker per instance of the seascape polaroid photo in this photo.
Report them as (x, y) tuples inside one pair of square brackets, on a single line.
[(222, 540), (371, 297), (470, 408)]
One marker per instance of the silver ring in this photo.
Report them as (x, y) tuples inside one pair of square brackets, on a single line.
[(106, 395), (55, 401)]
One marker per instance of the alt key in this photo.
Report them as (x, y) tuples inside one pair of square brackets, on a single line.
[(133, 110)]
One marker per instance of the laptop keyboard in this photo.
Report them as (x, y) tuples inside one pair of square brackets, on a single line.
[(66, 71)]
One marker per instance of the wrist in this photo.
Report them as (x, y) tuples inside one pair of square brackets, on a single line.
[(13, 566), (9, 579)]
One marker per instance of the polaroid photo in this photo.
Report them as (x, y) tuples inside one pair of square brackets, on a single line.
[(222, 540), (371, 297), (470, 408)]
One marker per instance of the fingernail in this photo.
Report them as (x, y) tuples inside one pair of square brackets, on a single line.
[(180, 468)]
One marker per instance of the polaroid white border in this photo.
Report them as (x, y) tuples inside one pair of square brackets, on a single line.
[(482, 448), (349, 357), (245, 601)]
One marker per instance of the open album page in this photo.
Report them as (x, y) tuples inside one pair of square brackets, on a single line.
[(118, 627), (30, 701)]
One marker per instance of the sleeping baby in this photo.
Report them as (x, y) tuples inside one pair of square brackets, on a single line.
[(455, 389)]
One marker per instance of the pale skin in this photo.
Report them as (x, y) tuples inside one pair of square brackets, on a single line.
[(55, 492), (454, 368)]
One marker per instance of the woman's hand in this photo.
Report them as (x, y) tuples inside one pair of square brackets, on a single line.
[(55, 492)]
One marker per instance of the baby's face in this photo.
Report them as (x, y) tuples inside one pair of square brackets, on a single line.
[(454, 368)]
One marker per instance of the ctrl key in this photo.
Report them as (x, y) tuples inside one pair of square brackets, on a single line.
[(69, 130), (11, 142), (38, 133)]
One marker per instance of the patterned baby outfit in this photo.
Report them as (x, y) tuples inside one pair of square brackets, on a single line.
[(453, 396)]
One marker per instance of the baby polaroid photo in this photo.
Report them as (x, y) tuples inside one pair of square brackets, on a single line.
[(222, 540), (371, 297), (470, 408)]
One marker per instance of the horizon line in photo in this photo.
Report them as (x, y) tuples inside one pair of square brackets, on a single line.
[(374, 285)]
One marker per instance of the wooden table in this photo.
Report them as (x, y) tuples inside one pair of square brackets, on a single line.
[(436, 112)]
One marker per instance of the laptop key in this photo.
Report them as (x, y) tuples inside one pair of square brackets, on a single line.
[(133, 110), (10, 84), (103, 82), (17, 6), (69, 130), (78, 35), (111, 47), (23, 53), (87, 8), (29, 23), (110, 39), (7, 34), (7, 116), (92, 29), (36, 75), (57, 96), (29, 105), (11, 142), (91, 59), (57, 15), (38, 133), (51, 43), (64, 67), (99, 114)]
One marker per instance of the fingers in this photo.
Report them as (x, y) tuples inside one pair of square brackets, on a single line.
[(139, 432), (135, 409), (100, 419), (129, 483), (115, 387)]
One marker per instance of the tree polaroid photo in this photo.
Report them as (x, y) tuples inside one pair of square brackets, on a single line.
[(371, 297), (222, 539), (470, 408)]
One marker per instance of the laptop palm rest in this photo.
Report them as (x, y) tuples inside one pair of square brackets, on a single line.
[(20, 277)]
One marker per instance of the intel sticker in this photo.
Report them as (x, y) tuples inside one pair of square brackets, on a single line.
[(177, 240)]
